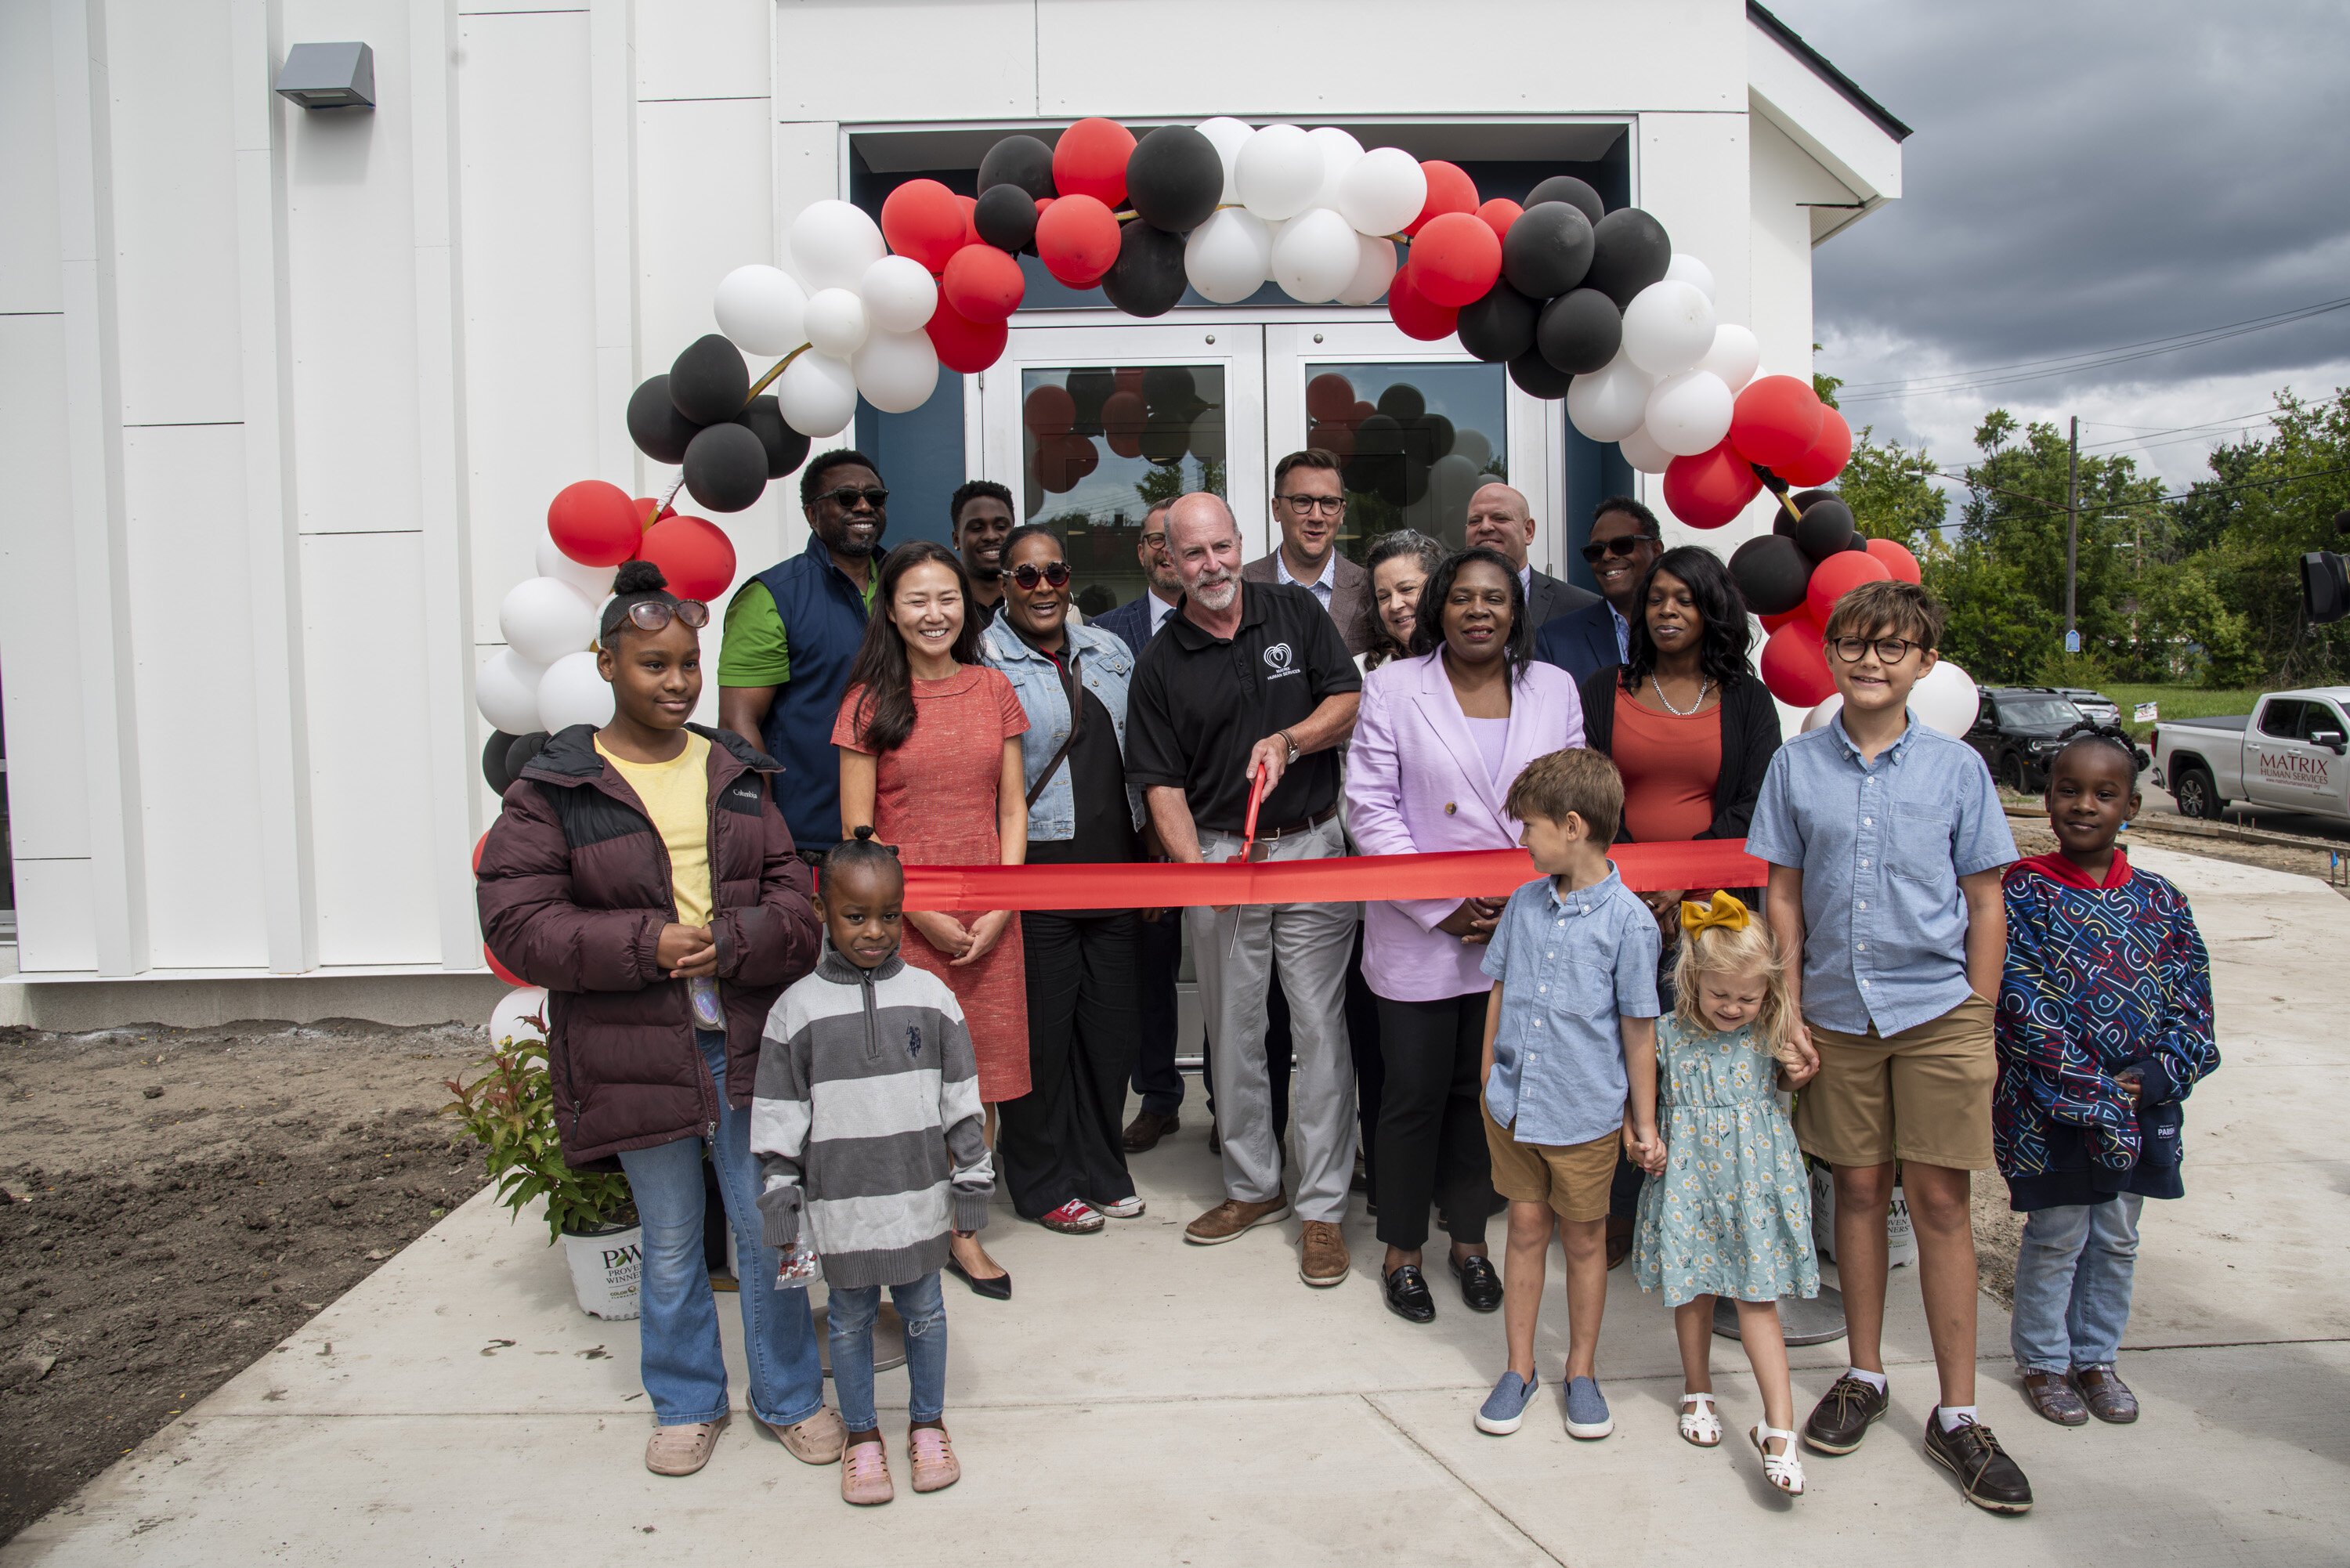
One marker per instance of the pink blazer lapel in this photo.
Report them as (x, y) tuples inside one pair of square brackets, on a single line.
[(1440, 710)]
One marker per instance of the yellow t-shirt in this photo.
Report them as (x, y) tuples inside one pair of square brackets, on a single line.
[(677, 794)]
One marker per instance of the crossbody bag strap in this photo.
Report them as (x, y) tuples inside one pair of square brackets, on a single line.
[(1075, 693)]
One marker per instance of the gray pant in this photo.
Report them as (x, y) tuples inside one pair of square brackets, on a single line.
[(1233, 951)]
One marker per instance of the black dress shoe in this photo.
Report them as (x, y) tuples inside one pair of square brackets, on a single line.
[(1986, 1475), (1407, 1297), (1481, 1283), (998, 1289), (1143, 1133)]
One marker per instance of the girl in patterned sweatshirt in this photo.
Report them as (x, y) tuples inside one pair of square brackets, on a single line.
[(867, 1116)]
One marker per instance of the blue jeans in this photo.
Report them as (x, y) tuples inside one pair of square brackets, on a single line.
[(684, 1367), (849, 1324), (2073, 1276)]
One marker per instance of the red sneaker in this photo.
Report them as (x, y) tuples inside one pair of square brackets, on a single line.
[(1075, 1218)]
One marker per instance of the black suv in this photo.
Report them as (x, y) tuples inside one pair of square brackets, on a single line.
[(2017, 733)]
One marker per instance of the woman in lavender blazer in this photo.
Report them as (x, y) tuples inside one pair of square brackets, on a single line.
[(1440, 738)]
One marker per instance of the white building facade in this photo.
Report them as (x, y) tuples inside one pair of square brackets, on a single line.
[(284, 392)]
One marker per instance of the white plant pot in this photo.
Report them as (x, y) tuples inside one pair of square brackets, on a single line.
[(605, 1265)]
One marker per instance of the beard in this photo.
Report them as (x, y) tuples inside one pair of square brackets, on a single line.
[(1217, 591)]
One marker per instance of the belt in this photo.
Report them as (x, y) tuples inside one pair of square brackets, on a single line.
[(1290, 829)]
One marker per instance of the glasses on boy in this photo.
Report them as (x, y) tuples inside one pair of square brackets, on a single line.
[(1889, 649)]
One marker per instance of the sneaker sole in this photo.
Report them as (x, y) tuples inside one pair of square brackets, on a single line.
[(1590, 1432), (1819, 1447), (1323, 1284), (1066, 1228), (1199, 1240), (1987, 1504), (1499, 1428)]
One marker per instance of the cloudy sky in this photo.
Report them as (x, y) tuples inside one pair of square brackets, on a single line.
[(2088, 177)]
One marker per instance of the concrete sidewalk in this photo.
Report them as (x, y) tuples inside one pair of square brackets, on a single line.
[(1142, 1401)]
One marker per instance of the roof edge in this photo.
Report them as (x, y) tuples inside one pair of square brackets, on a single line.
[(1824, 68)]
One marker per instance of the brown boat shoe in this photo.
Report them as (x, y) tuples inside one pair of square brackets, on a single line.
[(1232, 1217), (1322, 1260)]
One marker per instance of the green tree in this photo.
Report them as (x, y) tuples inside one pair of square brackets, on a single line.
[(1892, 493)]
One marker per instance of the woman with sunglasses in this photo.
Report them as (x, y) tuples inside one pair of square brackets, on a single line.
[(930, 759), (643, 874), (1063, 1150)]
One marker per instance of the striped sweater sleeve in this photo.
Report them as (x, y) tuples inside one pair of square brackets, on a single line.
[(973, 1177), (780, 1106)]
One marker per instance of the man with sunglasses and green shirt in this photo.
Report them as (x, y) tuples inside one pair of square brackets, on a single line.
[(1309, 504), (1623, 542), (793, 631)]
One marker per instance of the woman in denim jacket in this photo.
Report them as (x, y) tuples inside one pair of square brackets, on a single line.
[(1062, 1156)]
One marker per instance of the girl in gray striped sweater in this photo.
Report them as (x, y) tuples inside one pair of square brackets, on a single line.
[(866, 1116)]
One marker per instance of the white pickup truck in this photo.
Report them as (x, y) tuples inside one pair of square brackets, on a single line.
[(2287, 754)]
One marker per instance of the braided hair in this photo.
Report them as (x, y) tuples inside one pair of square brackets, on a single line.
[(2089, 733), (861, 849)]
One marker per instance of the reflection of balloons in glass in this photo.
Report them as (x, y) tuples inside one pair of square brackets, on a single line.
[(1049, 411), (1330, 395), (1402, 400), (1089, 387), (1473, 445), (1451, 480), (1169, 387), (1123, 416), (1166, 438), (1336, 440), (1228, 257), (1207, 436)]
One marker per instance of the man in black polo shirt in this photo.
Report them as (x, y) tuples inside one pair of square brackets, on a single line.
[(1247, 679)]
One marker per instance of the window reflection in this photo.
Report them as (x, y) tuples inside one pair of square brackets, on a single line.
[(1417, 440)]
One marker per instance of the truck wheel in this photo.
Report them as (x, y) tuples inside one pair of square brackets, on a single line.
[(2011, 774), (2197, 796)]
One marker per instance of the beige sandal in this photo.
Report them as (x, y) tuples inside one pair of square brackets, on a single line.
[(680, 1450)]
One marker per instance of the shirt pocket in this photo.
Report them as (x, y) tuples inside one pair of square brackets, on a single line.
[(1589, 989), (1918, 848)]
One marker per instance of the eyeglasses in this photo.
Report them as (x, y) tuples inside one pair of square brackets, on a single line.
[(1327, 505), (653, 615), (1889, 649), (1623, 544), (848, 496), (1154, 541), (1028, 574)]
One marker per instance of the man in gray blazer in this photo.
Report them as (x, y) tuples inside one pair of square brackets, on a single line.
[(1501, 519), (1310, 503)]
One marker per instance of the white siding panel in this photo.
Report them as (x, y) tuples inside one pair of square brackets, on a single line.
[(1692, 180), (370, 770), (945, 59), (704, 49), (57, 924), (175, 210), (183, 495), (40, 672), (28, 173)]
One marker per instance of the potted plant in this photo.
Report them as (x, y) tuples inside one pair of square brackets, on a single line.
[(510, 1111)]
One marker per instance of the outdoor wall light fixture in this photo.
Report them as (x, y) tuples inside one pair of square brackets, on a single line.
[(328, 75)]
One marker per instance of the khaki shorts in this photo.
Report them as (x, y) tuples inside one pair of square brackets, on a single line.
[(1923, 1095), (1572, 1179)]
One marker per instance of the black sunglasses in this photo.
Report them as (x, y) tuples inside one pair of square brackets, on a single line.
[(848, 496), (1028, 573), (1625, 545)]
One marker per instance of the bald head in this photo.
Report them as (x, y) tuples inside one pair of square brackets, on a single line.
[(1500, 519), (1205, 541)]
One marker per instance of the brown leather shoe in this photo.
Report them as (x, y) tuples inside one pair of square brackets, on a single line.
[(1322, 1260), (1143, 1133), (2106, 1396), (1230, 1218), (2052, 1397)]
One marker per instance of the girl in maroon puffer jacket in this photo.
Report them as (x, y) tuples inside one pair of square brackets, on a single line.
[(631, 867)]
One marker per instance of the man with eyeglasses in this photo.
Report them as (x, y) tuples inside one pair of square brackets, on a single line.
[(1501, 519), (1137, 620), (792, 633), (1623, 542), (979, 514), (1310, 503)]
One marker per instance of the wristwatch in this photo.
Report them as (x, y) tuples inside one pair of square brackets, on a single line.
[(1290, 741)]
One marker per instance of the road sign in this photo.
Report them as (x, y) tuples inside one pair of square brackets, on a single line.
[(2072, 642)]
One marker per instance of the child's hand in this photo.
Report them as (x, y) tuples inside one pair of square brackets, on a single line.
[(686, 952), (2133, 1086), (1806, 1065)]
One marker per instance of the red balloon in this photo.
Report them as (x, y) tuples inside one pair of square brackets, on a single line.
[(1838, 575), (1499, 215), (1449, 190), (648, 512), (964, 346), (1709, 489), (969, 205), (501, 971), (595, 523), (479, 845), (1330, 398), (1128, 378), (983, 284), (1077, 239), (1123, 415), (1825, 457), (1050, 411), (922, 219), (1062, 460), (1454, 259), (693, 553), (1772, 623), (1416, 314), (1898, 560), (1337, 440), (1363, 409), (1090, 160), (1775, 420), (1795, 667)]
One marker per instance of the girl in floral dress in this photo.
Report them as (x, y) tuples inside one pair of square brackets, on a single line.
[(1731, 1215)]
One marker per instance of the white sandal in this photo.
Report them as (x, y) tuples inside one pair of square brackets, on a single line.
[(1784, 1470), (1700, 1425)]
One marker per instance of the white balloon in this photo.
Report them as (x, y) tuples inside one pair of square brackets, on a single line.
[(897, 371), (520, 1017), (1471, 444), (1383, 192), (545, 618), (759, 307), (1227, 136), (1688, 269), (836, 322), (1281, 169), (1611, 402), (1375, 268), (1228, 257), (1340, 152), (1734, 357), (899, 294), (1946, 698), (1688, 413), (571, 692), (1641, 451), (817, 394), (506, 692), (1667, 327), (834, 242), (1315, 256), (593, 582), (1817, 719)]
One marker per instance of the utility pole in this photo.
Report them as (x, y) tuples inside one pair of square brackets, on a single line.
[(2072, 531)]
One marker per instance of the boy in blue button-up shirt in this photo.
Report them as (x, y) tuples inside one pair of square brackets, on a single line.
[(1570, 1038), (1886, 841)]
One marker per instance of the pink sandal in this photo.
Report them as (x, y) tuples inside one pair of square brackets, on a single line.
[(932, 1452), (865, 1475)]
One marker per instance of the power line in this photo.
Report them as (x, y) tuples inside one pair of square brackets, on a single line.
[(2205, 430), (2190, 495), (2272, 318)]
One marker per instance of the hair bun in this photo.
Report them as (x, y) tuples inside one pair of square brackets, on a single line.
[(863, 831), (639, 577)]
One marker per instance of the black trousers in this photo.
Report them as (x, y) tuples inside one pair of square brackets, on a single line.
[(1161, 946), (1061, 1139), (1431, 1134)]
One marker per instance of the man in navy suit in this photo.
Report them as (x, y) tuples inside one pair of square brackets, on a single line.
[(1625, 541), (1137, 621), (1499, 518)]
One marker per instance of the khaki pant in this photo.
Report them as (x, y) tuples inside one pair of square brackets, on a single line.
[(1922, 1096)]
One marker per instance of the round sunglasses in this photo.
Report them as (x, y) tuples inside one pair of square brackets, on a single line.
[(1028, 574)]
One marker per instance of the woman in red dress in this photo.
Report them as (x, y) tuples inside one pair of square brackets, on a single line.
[(930, 757)]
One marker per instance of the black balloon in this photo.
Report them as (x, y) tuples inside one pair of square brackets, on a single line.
[(1547, 250), (726, 467), (1208, 435), (708, 382), (1538, 377), (1168, 389), (495, 770), (1803, 499), (1770, 572), (786, 448), (1380, 435), (1575, 192), (1165, 439), (1440, 435), (524, 747), (1826, 528), (1857, 543), (1005, 217), (1403, 401), (1174, 177), (1630, 249), (660, 431), (1147, 279), (1499, 326), (1021, 160), (1579, 331), (1089, 389)]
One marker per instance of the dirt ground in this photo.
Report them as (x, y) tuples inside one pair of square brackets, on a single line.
[(173, 1202)]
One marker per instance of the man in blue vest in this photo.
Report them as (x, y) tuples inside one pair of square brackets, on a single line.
[(793, 631)]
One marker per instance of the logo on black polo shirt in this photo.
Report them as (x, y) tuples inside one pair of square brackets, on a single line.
[(1279, 661)]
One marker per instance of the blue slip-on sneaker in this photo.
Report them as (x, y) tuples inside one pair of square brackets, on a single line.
[(1505, 1407), (1586, 1410)]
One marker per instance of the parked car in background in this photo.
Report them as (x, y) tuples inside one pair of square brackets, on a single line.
[(2288, 754), (2096, 706), (2018, 729)]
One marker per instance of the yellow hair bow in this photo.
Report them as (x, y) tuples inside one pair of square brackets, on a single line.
[(1726, 911)]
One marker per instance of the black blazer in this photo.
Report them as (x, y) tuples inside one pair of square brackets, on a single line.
[(1547, 598), (1750, 736), (1581, 642)]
